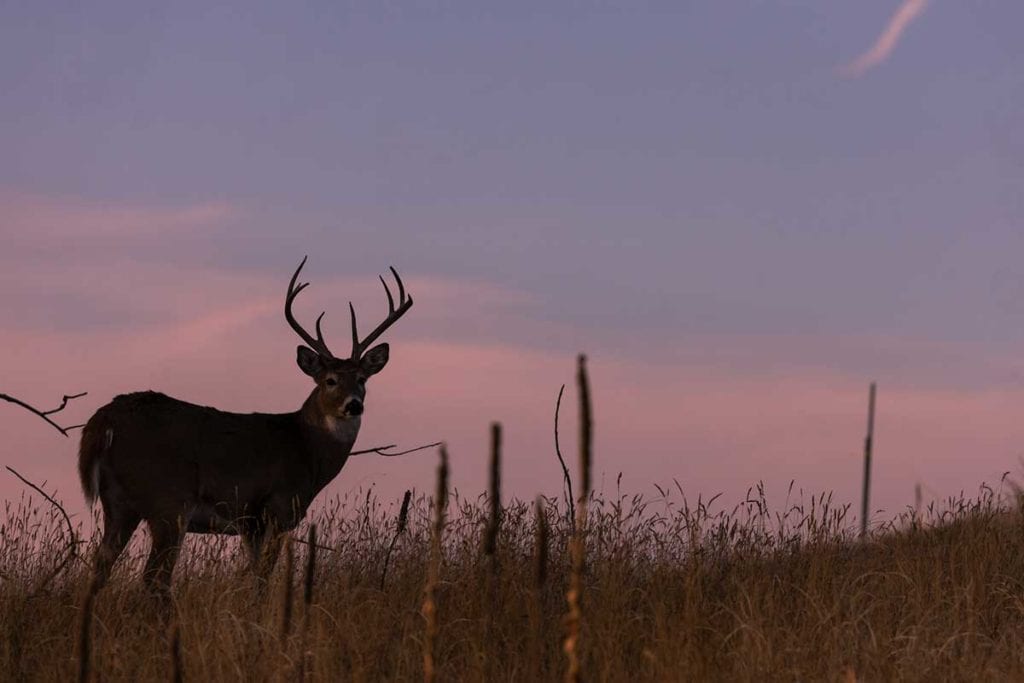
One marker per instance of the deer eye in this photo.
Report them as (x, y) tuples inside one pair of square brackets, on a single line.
[(331, 382)]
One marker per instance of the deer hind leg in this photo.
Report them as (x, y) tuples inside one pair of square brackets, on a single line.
[(119, 524), (163, 554)]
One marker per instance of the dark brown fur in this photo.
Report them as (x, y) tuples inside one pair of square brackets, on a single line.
[(184, 468)]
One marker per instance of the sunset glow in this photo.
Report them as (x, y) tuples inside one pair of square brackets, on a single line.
[(738, 240)]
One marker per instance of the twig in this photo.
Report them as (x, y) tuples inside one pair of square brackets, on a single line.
[(565, 469), (318, 546), (45, 414), (379, 450), (72, 550)]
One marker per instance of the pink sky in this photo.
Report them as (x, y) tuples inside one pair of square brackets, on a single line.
[(739, 238), (708, 418)]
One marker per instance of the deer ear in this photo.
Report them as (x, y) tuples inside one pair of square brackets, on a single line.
[(309, 361), (374, 360)]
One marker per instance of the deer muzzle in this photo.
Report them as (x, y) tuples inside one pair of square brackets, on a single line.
[(352, 407)]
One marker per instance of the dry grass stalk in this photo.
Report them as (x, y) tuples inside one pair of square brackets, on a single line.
[(429, 610), (307, 595), (307, 601), (287, 590), (865, 509), (540, 545), (403, 520), (494, 498), (538, 632), (72, 548), (177, 666), (574, 596), (85, 631), (586, 426)]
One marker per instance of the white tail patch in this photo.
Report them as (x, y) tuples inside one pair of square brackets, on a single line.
[(95, 474)]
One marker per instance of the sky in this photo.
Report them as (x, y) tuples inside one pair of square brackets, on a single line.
[(742, 212)]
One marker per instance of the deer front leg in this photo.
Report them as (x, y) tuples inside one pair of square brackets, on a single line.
[(264, 545)]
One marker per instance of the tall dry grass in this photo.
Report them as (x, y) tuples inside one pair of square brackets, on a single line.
[(630, 588), (670, 591)]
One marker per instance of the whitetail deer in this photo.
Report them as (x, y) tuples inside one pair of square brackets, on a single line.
[(183, 468)]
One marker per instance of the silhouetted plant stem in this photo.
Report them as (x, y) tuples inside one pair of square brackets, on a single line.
[(565, 469), (403, 518), (429, 610), (868, 445), (574, 597)]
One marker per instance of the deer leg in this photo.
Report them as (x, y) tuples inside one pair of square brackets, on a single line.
[(163, 554), (264, 545), (118, 527)]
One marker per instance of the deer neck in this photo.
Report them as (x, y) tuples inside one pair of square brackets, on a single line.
[(330, 437)]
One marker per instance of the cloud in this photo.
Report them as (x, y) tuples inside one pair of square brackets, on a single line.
[(64, 228), (62, 216), (887, 41)]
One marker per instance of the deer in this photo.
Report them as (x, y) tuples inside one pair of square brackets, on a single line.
[(186, 468)]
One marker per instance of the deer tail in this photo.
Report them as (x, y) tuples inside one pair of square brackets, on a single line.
[(97, 437)]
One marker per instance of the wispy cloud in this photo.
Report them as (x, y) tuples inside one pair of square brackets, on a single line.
[(52, 220), (887, 41)]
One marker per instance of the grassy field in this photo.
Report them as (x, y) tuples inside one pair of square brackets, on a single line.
[(669, 592), (616, 588)]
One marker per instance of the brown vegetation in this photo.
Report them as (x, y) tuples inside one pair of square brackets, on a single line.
[(616, 588), (670, 592)]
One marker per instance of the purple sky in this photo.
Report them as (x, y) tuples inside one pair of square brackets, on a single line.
[(740, 211)]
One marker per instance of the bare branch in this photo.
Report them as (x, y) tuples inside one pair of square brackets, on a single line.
[(303, 541), (72, 549), (379, 450), (565, 469), (45, 414)]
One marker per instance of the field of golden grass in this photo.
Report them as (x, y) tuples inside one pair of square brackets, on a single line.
[(669, 591), (583, 587)]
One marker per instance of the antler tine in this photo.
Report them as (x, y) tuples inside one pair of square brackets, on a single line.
[(318, 344), (391, 300), (401, 287), (355, 331), (319, 333), (404, 303)]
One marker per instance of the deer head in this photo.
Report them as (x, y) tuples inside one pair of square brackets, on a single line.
[(341, 382)]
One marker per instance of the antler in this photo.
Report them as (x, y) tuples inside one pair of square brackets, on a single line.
[(318, 344), (404, 304)]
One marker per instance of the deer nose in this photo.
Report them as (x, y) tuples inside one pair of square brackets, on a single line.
[(354, 407)]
